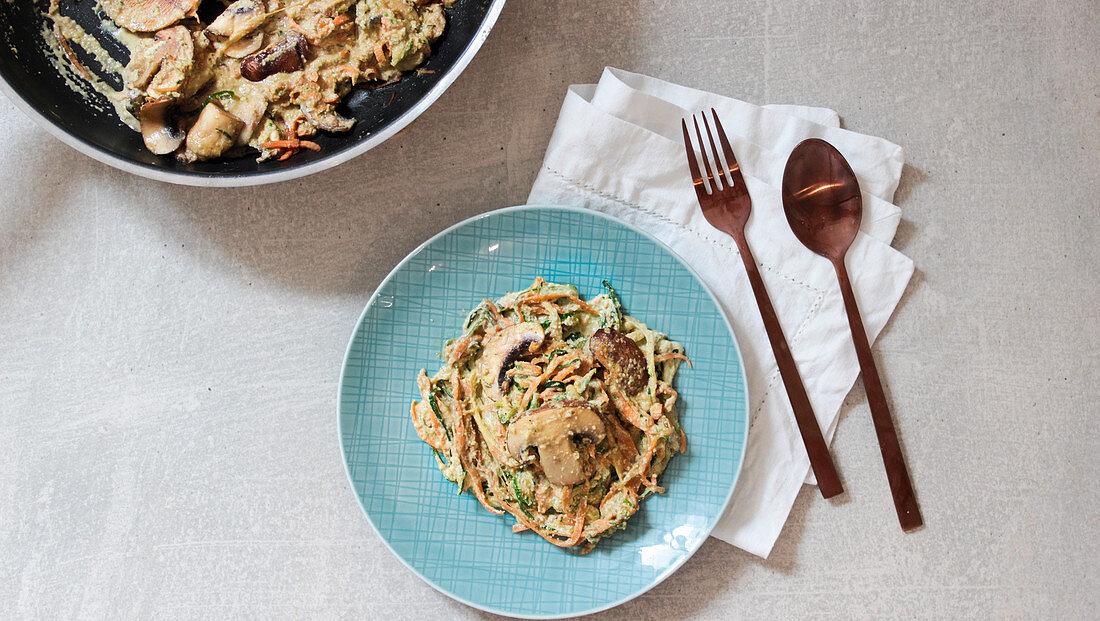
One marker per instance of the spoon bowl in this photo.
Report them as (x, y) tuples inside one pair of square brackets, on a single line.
[(821, 198)]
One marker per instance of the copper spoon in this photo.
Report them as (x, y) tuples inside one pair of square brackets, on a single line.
[(823, 205)]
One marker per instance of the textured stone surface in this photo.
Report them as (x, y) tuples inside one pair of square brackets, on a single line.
[(170, 355)]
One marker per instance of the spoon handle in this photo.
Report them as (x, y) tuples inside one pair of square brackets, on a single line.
[(900, 486), (820, 460)]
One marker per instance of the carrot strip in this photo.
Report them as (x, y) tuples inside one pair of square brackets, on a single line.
[(293, 143), (526, 368), (460, 448), (629, 413), (651, 483), (438, 443), (530, 394), (673, 355), (480, 493), (348, 70), (622, 438), (578, 524), (672, 396), (647, 459), (568, 371), (657, 411), (460, 349), (498, 317)]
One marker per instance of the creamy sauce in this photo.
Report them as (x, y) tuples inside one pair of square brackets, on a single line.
[(85, 83), (274, 69)]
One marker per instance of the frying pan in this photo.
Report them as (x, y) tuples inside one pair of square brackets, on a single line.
[(89, 124)]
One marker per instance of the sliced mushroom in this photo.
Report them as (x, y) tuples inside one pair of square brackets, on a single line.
[(501, 352), (238, 19), (162, 67), (551, 430), (251, 111), (622, 358), (214, 132), (148, 15), (285, 56), (239, 26), (243, 47), (159, 131)]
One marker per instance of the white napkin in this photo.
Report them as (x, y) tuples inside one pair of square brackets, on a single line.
[(618, 148)]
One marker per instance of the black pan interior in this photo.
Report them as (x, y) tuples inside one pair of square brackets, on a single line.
[(25, 64)]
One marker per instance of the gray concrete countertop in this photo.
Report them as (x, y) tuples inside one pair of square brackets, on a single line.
[(170, 355)]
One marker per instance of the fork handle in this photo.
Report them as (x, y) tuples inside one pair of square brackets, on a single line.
[(901, 488), (820, 460)]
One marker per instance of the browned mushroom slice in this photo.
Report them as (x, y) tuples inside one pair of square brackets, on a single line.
[(159, 131), (214, 132), (622, 358), (501, 352), (551, 430), (148, 15), (285, 56)]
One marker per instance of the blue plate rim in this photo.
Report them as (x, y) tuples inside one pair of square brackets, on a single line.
[(343, 375)]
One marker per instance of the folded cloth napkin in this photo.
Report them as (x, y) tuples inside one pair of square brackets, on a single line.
[(618, 148)]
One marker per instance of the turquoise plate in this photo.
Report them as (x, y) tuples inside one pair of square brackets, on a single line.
[(448, 539)]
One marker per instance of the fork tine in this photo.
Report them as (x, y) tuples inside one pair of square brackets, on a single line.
[(714, 150), (696, 175), (731, 160), (703, 152)]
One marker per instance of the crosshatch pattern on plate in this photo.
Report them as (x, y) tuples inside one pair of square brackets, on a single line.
[(450, 539)]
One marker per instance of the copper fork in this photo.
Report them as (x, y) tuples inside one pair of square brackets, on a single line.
[(727, 207)]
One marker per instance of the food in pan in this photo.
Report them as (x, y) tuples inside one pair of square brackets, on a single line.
[(260, 75)]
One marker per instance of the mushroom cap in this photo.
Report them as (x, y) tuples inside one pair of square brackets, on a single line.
[(502, 350), (148, 15), (622, 357), (551, 430), (284, 56), (160, 134), (214, 132)]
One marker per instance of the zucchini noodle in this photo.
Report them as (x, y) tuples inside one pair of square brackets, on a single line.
[(546, 352)]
